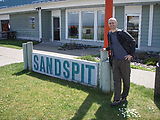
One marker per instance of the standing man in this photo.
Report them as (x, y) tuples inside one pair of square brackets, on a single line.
[(122, 47)]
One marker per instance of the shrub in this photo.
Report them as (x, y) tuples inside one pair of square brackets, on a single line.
[(72, 46), (151, 61), (89, 58)]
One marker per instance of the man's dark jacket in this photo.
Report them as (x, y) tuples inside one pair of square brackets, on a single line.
[(126, 40)]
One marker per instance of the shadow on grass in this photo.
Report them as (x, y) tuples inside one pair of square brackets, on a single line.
[(21, 72), (157, 100), (104, 112)]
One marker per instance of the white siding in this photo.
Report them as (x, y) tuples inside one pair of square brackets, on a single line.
[(4, 17)]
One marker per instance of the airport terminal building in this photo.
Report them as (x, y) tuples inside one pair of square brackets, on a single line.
[(81, 21)]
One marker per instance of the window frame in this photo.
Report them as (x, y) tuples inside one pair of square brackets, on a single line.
[(79, 11), (68, 26)]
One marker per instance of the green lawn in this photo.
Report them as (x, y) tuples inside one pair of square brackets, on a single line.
[(12, 43), (32, 96), (143, 68)]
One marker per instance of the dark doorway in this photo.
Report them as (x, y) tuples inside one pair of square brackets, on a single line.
[(56, 24), (133, 27), (5, 25)]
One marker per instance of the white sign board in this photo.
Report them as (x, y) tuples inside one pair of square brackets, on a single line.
[(84, 72)]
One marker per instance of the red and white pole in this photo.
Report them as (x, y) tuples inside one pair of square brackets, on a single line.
[(105, 70), (108, 14)]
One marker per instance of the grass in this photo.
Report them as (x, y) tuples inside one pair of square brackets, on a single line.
[(28, 95), (12, 43), (143, 68)]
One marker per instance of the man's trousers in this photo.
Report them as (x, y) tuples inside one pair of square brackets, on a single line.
[(121, 74)]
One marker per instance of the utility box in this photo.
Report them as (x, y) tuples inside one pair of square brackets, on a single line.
[(157, 81)]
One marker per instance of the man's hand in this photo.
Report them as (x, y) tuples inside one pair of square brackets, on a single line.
[(103, 49), (106, 49), (128, 57)]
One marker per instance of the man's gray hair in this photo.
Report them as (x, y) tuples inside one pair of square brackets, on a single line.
[(114, 19)]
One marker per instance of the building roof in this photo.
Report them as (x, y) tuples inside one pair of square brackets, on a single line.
[(14, 3), (14, 6)]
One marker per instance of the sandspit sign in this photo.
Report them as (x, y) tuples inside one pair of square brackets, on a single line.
[(84, 72)]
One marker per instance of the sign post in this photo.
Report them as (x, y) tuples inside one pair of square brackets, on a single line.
[(27, 55)]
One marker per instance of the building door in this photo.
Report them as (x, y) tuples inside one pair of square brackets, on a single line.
[(133, 27), (5, 25), (56, 26)]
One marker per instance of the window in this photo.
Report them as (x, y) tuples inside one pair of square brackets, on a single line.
[(100, 26), (32, 22), (88, 25), (73, 25), (133, 27)]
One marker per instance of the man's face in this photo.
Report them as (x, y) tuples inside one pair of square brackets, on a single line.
[(112, 24)]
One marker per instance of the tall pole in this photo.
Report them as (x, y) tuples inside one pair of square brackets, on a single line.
[(40, 22), (108, 14), (106, 81)]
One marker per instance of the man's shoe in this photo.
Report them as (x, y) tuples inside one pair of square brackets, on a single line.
[(115, 103)]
